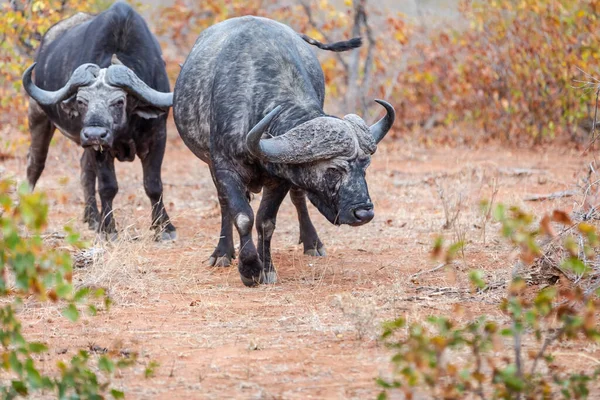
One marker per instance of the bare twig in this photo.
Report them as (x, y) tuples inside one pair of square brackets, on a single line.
[(352, 93), (593, 134), (551, 196), (413, 276), (518, 171), (517, 331), (478, 367), (547, 342), (451, 217), (366, 81), (490, 206), (583, 355)]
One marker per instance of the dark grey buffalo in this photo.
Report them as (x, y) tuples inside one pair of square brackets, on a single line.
[(101, 80), (249, 102)]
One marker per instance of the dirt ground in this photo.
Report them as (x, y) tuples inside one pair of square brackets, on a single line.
[(313, 334)]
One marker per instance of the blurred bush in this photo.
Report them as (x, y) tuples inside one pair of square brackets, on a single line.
[(30, 270), (508, 68), (24, 22), (512, 71), (508, 353)]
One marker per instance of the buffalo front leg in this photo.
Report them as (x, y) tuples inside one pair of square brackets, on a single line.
[(308, 234), (151, 164), (224, 252), (41, 130), (266, 219), (107, 188), (231, 188), (91, 216)]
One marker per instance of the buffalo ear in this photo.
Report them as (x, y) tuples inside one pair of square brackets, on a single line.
[(143, 109), (115, 60), (148, 112), (69, 106)]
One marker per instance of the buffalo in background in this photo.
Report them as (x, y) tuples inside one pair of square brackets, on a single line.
[(101, 80)]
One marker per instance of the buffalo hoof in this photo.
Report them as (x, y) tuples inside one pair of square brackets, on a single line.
[(318, 252), (92, 218), (219, 261), (250, 282), (222, 256), (166, 236), (93, 225), (267, 278), (108, 236), (93, 221)]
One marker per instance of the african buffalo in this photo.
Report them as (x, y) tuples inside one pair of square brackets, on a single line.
[(101, 80), (249, 102)]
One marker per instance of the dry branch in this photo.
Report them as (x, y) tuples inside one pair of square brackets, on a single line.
[(413, 276), (551, 196), (519, 171)]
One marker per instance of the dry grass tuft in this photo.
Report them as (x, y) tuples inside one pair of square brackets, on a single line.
[(127, 268)]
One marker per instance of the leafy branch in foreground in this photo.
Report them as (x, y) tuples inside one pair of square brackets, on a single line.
[(485, 358), (30, 270)]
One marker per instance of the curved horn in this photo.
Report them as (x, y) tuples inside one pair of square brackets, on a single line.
[(84, 75), (256, 146), (381, 128), (121, 76)]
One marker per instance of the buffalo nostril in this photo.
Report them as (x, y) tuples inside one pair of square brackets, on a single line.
[(365, 213), (95, 133)]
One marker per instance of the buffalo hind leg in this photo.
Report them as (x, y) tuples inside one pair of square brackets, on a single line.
[(266, 218), (41, 130), (308, 234), (224, 252), (91, 216), (107, 188), (231, 188), (151, 164)]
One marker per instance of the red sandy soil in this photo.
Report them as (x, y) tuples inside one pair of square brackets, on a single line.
[(313, 334)]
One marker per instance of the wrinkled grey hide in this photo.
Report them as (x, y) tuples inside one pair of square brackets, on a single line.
[(249, 102)]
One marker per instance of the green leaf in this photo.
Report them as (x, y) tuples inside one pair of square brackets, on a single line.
[(106, 365), (71, 312), (15, 363), (499, 213), (151, 369), (453, 249), (476, 278), (33, 376), (37, 347), (81, 294), (576, 265), (20, 387), (117, 394), (63, 290), (506, 332), (509, 377), (382, 396)]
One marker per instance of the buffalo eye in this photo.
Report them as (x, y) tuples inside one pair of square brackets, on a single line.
[(81, 103), (118, 104)]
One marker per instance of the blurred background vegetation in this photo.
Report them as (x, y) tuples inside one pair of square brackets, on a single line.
[(514, 70)]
